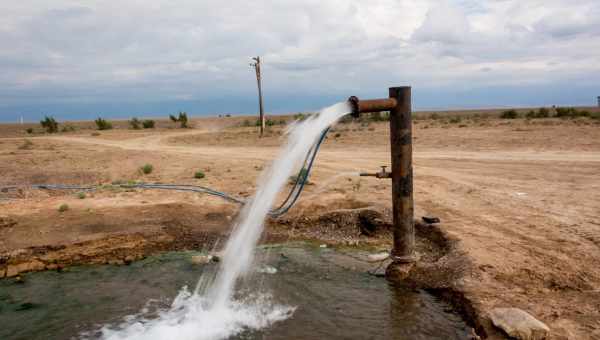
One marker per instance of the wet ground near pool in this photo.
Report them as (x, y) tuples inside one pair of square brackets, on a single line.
[(334, 298)]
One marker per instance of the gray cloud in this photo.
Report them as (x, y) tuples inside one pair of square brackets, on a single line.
[(65, 51)]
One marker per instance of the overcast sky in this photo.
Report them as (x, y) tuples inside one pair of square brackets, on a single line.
[(119, 58)]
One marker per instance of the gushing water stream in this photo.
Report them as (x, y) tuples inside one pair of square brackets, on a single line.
[(212, 311)]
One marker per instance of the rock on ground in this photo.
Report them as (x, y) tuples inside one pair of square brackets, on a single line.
[(519, 324)]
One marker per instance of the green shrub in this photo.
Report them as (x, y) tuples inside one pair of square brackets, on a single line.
[(63, 207), (103, 124), (182, 118), (302, 174), (135, 123), (81, 195), (50, 124), (509, 114), (147, 169), (29, 130), (455, 120), (148, 124), (543, 113), (199, 174)]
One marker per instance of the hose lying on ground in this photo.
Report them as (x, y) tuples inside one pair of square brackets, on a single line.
[(283, 208)]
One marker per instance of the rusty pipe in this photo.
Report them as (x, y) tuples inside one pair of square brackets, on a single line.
[(371, 105)]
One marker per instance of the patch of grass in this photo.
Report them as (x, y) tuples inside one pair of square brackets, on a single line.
[(509, 114), (103, 124), (147, 169), (199, 174), (63, 207), (81, 195), (148, 124), (135, 123), (49, 124)]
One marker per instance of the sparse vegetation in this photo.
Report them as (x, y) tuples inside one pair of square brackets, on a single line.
[(27, 145), (509, 114), (103, 124), (182, 118), (49, 124), (63, 207), (81, 195), (95, 134), (148, 124), (135, 123), (29, 130), (199, 174), (301, 116), (302, 174), (146, 169), (455, 120), (68, 128), (570, 112)]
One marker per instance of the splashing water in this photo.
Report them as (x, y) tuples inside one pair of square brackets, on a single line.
[(211, 311)]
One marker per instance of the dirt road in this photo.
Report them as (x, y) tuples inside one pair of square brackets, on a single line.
[(523, 199)]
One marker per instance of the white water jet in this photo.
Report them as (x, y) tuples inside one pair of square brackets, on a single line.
[(211, 312)]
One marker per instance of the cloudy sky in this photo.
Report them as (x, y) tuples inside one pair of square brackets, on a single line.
[(79, 59)]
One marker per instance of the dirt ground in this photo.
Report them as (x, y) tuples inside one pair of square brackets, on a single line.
[(519, 202)]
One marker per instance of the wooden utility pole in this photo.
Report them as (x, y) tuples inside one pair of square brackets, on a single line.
[(256, 66)]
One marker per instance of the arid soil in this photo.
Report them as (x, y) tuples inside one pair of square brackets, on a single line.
[(519, 203)]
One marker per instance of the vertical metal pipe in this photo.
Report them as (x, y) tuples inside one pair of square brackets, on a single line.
[(402, 175)]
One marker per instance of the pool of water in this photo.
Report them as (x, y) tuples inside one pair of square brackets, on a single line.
[(333, 296)]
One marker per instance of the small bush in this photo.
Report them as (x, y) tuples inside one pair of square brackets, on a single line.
[(246, 123), (147, 169), (182, 118), (135, 123), (509, 114), (199, 174), (543, 113), (29, 130), (81, 195), (148, 124), (63, 207), (50, 124), (95, 134), (103, 124), (302, 174), (530, 114), (455, 120), (434, 116)]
